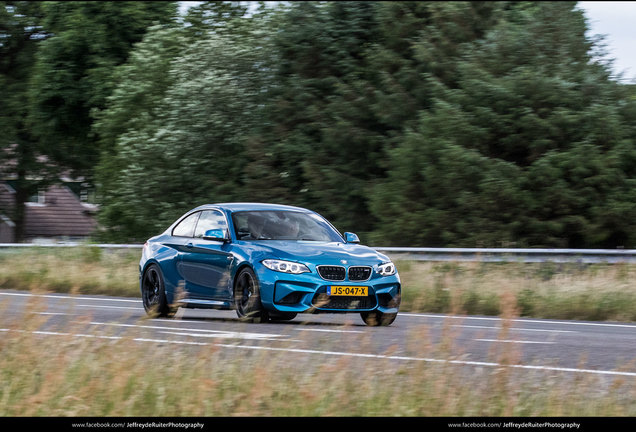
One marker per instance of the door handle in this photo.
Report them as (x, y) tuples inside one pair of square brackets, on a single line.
[(189, 245)]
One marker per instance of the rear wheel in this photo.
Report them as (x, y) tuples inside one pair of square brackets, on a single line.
[(153, 292), (377, 318), (247, 297)]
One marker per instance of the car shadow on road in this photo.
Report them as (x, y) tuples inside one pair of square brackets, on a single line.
[(301, 320)]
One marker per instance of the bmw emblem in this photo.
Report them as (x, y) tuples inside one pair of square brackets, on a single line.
[(343, 261)]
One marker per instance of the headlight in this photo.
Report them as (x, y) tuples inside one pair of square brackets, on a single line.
[(285, 266), (386, 269)]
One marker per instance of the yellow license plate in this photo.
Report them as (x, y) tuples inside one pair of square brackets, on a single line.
[(335, 290)]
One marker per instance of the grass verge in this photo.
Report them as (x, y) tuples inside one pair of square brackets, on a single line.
[(75, 270), (596, 292)]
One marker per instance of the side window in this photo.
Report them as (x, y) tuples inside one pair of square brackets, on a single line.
[(210, 219), (186, 226)]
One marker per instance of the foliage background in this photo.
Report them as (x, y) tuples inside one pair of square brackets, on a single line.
[(411, 123)]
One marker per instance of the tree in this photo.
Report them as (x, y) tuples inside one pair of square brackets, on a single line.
[(135, 103), (72, 75), (440, 193), (20, 155), (542, 120), (353, 76), (188, 145)]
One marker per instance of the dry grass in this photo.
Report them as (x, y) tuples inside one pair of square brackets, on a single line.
[(68, 375), (82, 270), (559, 291)]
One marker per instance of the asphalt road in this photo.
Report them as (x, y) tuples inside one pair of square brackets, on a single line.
[(577, 347)]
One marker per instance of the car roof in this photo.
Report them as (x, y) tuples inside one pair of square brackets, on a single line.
[(246, 206)]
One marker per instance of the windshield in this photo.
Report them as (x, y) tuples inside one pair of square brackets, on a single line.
[(283, 225)]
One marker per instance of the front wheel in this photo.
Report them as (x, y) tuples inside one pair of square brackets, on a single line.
[(377, 318), (247, 297)]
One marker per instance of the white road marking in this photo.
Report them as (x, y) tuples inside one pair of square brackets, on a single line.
[(178, 321), (228, 335), (51, 313), (71, 297), (51, 333), (244, 335), (514, 328), (107, 307), (513, 341), (517, 320), (173, 341), (328, 330), (201, 332)]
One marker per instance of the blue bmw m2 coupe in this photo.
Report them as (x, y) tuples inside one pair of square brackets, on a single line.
[(268, 262)]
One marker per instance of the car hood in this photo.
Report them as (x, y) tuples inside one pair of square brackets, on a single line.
[(325, 253)]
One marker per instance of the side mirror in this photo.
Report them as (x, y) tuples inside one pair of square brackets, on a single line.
[(215, 234), (351, 237)]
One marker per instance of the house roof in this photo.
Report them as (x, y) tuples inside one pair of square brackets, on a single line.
[(61, 214)]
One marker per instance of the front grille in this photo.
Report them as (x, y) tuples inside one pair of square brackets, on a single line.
[(332, 273), (359, 273)]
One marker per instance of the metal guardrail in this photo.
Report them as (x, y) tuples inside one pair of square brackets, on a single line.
[(587, 256), (71, 244), (591, 256)]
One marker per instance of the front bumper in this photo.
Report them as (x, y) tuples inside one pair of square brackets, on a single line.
[(307, 292)]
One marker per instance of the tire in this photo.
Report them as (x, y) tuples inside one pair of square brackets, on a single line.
[(153, 292), (377, 318), (247, 297)]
